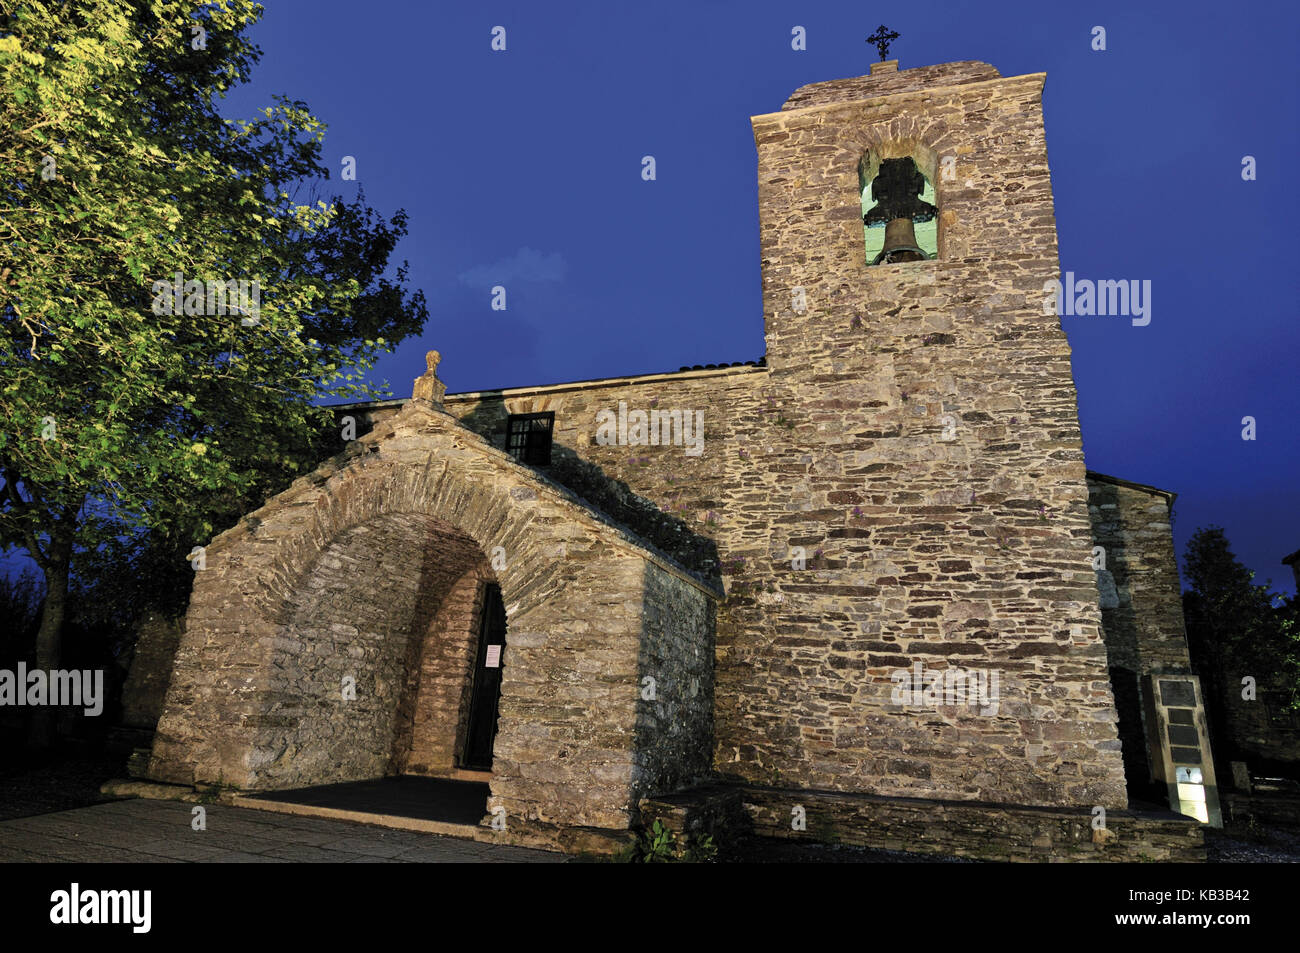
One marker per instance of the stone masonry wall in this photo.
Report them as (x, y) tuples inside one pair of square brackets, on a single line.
[(442, 677), (933, 452), (886, 79), (1142, 612), (1141, 603), (997, 833), (667, 496), (354, 617), (675, 714), (351, 559), (914, 438)]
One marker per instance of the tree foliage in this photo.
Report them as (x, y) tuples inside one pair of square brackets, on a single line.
[(135, 429), (1237, 627)]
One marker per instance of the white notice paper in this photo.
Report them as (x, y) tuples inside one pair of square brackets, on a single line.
[(493, 657)]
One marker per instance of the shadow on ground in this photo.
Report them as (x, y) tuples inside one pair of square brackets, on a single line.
[(70, 778), (57, 780)]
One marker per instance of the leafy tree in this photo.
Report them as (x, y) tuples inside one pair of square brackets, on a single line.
[(141, 421), (1236, 627)]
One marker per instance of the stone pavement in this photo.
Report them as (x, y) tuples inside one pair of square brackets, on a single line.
[(144, 831)]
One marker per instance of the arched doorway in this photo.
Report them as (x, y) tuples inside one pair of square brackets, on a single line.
[(328, 641), (372, 668), (448, 718), (485, 683)]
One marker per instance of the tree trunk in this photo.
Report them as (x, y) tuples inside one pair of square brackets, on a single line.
[(49, 647)]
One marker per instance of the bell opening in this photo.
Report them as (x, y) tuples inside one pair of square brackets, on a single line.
[(900, 220)]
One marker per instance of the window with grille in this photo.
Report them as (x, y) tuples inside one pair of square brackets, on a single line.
[(528, 437)]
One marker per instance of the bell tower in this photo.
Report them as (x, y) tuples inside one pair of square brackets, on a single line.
[(930, 443), (878, 144)]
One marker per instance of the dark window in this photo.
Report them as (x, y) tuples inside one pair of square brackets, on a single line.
[(528, 438)]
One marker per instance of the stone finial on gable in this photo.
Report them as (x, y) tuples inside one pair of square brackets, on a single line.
[(427, 386)]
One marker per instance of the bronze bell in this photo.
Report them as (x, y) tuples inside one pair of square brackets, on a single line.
[(896, 189)]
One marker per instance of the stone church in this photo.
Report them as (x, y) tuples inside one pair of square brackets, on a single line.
[(863, 589)]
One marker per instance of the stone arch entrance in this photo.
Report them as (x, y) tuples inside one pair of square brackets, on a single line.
[(447, 719), (372, 666), (362, 566)]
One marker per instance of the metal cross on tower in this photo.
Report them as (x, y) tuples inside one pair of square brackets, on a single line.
[(882, 38)]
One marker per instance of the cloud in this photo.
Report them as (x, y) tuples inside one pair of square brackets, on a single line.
[(527, 264)]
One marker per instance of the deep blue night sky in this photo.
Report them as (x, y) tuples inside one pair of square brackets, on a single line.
[(523, 168)]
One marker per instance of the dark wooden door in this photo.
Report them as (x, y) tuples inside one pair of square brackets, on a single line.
[(486, 693)]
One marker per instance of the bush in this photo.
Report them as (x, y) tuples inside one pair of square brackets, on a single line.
[(660, 845)]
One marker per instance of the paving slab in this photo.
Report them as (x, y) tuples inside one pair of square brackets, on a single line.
[(153, 832)]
